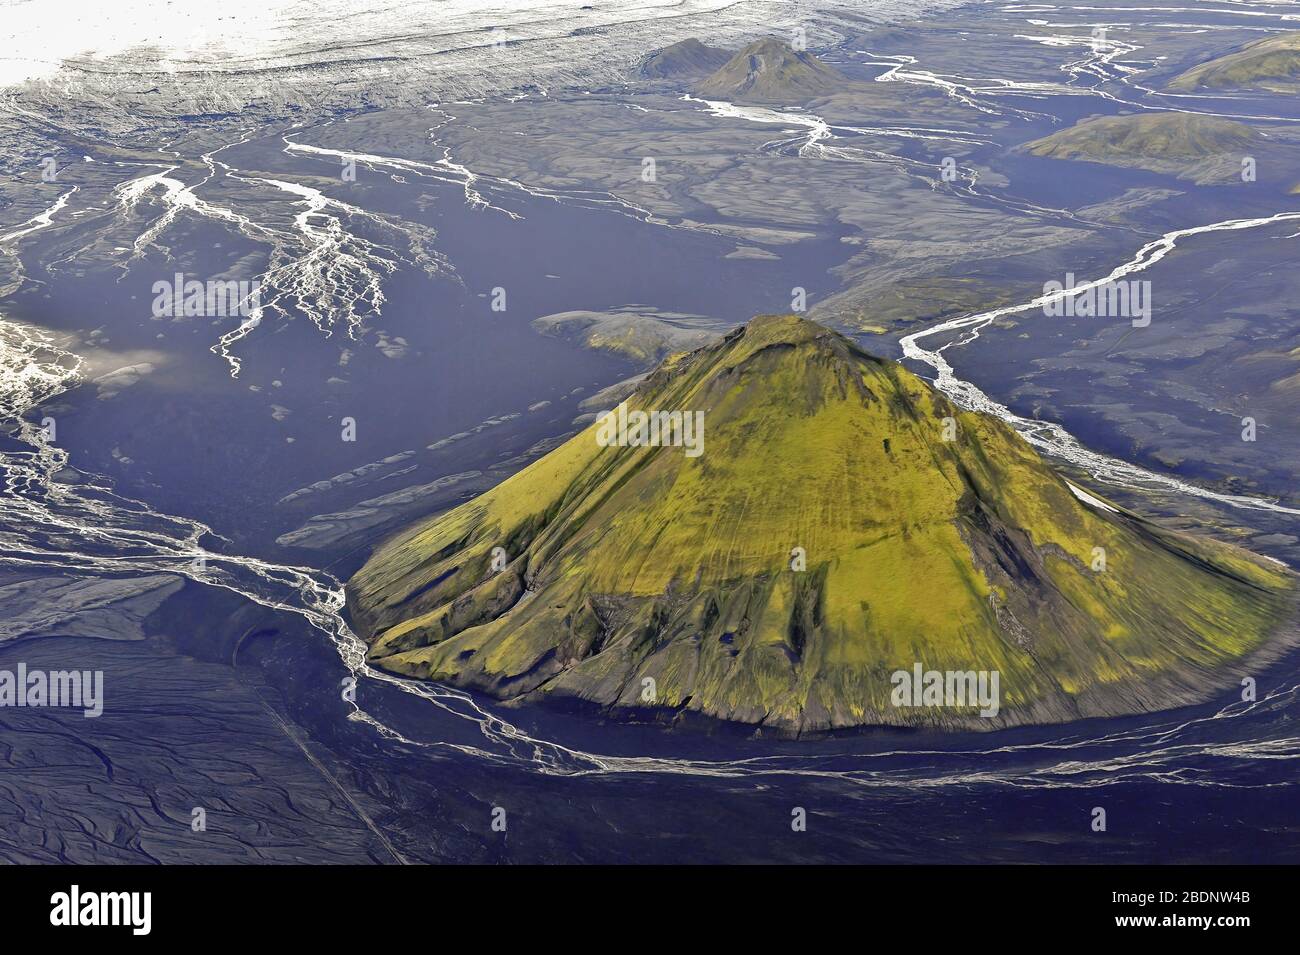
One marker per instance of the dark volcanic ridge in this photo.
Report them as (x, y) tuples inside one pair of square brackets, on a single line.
[(773, 71), (687, 58)]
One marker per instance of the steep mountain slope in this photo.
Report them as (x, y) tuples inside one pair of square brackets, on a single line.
[(771, 71), (687, 58), (619, 565), (1269, 64)]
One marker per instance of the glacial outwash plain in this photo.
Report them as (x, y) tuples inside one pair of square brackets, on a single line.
[(327, 333)]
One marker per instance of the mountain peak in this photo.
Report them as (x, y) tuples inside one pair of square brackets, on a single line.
[(768, 46), (686, 57), (785, 328), (772, 70), (827, 520)]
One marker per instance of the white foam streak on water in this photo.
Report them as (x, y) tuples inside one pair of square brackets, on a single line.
[(811, 144), (824, 141), (961, 89), (1101, 62), (1051, 438), (476, 184), (322, 270), (445, 170), (86, 529), (41, 220), (318, 266)]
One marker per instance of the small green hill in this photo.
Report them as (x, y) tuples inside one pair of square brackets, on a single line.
[(925, 535), (1147, 136), (771, 71), (687, 58), (1271, 64), (637, 332), (1202, 148)]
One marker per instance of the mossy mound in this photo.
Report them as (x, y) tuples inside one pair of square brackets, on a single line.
[(1170, 136), (1204, 149), (687, 58), (1271, 64), (928, 535), (771, 71)]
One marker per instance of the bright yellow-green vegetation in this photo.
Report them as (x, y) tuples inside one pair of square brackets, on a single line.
[(930, 535), (1203, 149), (1159, 136), (1269, 64)]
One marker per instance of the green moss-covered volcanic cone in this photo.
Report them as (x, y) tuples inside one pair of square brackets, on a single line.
[(771, 71), (925, 535), (1159, 136), (1203, 149), (1272, 63)]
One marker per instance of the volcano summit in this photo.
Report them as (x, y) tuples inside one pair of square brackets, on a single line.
[(846, 523)]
